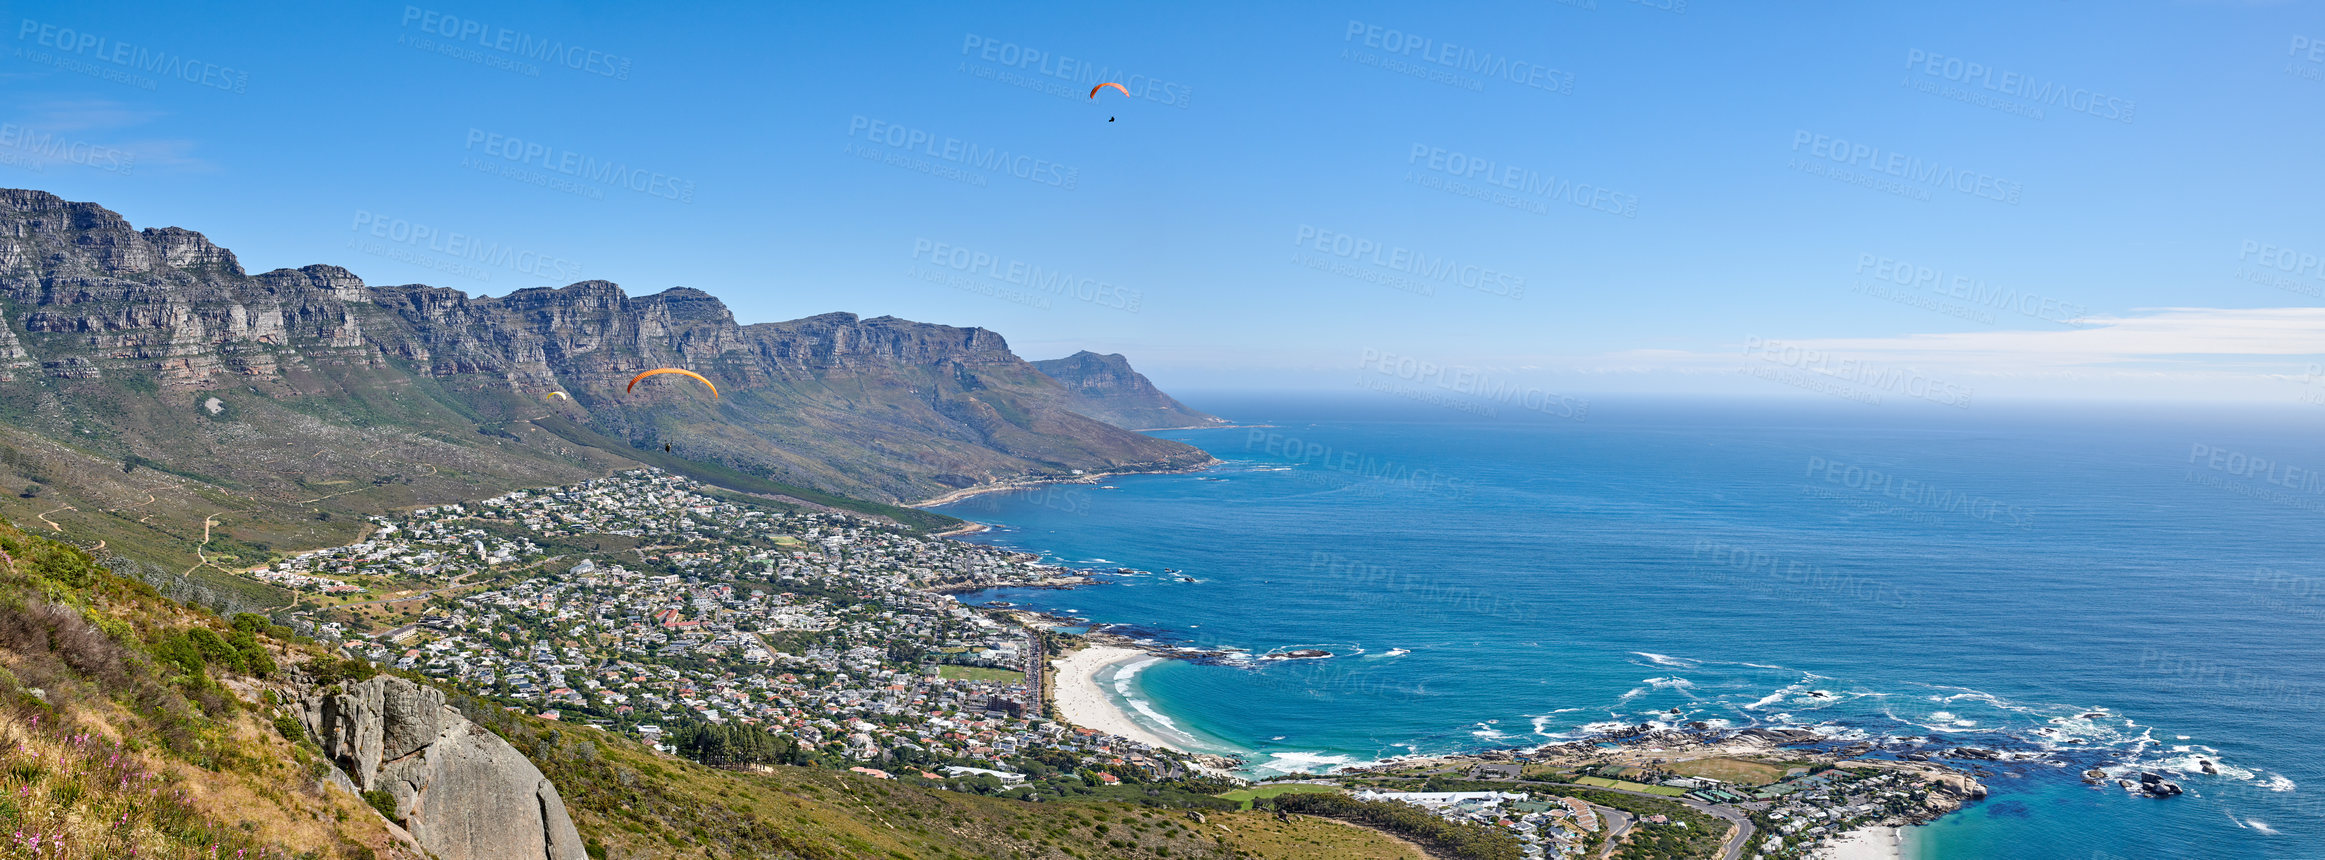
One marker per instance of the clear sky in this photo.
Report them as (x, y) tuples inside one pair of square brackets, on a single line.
[(1865, 201)]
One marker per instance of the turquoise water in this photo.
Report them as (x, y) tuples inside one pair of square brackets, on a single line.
[(2091, 588)]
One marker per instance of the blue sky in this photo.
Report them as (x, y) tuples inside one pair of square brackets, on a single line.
[(1593, 197)]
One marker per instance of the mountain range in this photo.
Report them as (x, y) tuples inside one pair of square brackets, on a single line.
[(155, 394)]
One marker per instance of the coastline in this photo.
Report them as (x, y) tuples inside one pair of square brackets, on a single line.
[(1878, 842), (1016, 484), (1222, 425), (1084, 700)]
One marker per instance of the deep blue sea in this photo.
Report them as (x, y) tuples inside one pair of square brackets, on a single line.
[(2079, 586)]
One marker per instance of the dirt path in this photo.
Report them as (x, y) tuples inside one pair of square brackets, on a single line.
[(200, 553), (332, 496), (52, 525)]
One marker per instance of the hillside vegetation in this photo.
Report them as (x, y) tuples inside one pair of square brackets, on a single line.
[(130, 726)]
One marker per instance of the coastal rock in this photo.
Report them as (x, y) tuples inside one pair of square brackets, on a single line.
[(1301, 654), (461, 791), (2154, 785)]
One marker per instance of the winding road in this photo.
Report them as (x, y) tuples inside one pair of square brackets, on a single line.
[(1618, 823)]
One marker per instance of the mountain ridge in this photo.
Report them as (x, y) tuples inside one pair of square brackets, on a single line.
[(152, 373), (1105, 387)]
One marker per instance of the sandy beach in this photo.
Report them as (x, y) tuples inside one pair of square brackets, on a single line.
[(1871, 843), (1016, 485), (1086, 701)]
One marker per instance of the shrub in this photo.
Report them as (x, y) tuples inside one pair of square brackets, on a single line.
[(384, 802)]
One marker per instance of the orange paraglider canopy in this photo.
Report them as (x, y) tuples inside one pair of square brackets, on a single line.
[(661, 370), (1094, 90)]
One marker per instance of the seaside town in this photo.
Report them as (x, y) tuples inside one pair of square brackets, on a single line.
[(737, 631), (833, 631)]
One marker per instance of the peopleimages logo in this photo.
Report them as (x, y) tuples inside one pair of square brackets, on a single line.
[(952, 150), (2285, 260), (1352, 462), (1973, 290), (1454, 57), (1420, 269), (1528, 182), (1905, 167), (566, 162), (2266, 471), (1018, 273), (82, 45), (1918, 495), (36, 150), (2308, 60), (1060, 75), (516, 43), (2018, 86), (1767, 572), (465, 247), (1858, 372), (1485, 387)]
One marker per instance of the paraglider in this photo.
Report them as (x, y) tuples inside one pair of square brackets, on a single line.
[(556, 395), (662, 370), (1094, 92)]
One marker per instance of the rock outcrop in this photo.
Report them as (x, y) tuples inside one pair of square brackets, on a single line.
[(1106, 388), (462, 792)]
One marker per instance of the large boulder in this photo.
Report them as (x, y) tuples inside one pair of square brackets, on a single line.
[(464, 793)]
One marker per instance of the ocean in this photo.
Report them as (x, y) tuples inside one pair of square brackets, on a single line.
[(2073, 586)]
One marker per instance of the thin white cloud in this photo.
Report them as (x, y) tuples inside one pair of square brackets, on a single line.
[(2147, 334), (2242, 353), (92, 133), (2158, 338)]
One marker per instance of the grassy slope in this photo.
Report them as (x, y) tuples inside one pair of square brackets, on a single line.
[(146, 471), (117, 741), (1263, 835)]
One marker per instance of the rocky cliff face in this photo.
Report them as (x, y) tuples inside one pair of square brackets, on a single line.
[(1106, 388), (883, 408), (461, 791), (94, 294)]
